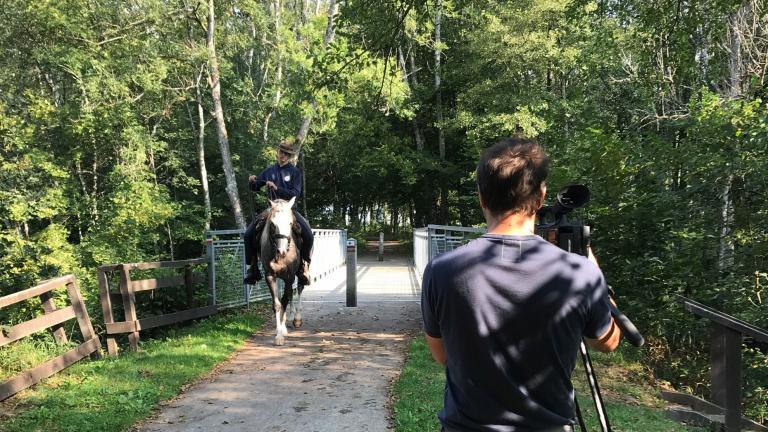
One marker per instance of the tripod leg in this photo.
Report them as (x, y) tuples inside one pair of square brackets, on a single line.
[(595, 389), (579, 417)]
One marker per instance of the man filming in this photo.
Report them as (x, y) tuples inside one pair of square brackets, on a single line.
[(506, 313)]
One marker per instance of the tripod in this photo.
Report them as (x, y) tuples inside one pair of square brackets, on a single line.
[(635, 338)]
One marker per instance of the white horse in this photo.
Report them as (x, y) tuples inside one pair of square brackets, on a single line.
[(281, 259)]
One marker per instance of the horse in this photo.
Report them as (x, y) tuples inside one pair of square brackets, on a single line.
[(280, 257)]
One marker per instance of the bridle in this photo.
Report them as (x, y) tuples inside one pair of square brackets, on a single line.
[(274, 237)]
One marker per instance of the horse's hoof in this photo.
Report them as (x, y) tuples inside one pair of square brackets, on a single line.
[(297, 323), (279, 341)]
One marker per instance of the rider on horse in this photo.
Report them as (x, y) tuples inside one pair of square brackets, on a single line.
[(283, 181)]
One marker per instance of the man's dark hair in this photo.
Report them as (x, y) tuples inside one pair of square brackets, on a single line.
[(510, 175)]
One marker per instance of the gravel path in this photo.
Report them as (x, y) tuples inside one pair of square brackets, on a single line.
[(333, 374)]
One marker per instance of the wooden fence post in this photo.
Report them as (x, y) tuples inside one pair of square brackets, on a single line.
[(106, 309), (129, 304), (49, 307), (81, 313), (725, 360)]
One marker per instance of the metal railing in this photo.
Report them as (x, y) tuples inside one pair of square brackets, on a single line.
[(226, 253), (434, 240)]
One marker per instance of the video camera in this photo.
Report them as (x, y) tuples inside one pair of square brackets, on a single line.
[(553, 225)]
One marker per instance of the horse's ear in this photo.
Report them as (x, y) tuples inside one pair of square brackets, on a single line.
[(290, 203), (271, 203)]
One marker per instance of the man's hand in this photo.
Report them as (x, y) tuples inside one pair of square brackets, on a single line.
[(271, 185), (437, 349), (252, 179)]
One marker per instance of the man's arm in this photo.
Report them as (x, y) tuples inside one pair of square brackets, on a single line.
[(257, 183), (609, 341), (436, 348)]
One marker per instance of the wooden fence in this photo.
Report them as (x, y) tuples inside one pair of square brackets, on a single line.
[(127, 296), (53, 318), (726, 337)]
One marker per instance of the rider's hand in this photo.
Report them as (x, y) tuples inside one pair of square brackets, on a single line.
[(252, 179), (271, 185)]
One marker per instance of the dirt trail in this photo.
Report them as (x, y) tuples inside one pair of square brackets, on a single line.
[(331, 375)]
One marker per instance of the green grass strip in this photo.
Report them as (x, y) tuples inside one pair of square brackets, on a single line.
[(113, 394), (632, 406)]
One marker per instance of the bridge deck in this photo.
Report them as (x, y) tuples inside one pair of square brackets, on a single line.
[(393, 279)]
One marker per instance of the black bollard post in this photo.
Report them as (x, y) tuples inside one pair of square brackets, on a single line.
[(351, 272)]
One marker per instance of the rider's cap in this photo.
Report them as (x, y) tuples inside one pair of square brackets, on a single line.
[(288, 146)]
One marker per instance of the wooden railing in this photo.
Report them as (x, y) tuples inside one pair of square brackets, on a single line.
[(726, 337), (53, 318), (127, 295)]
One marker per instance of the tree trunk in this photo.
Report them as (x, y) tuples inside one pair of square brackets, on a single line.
[(725, 259), (201, 153), (221, 127), (734, 90), (418, 137), (438, 91)]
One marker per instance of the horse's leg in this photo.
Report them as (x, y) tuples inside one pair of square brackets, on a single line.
[(296, 304), (277, 308), (286, 301)]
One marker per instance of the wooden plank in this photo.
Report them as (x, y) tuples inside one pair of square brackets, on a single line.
[(49, 306), (724, 319), (110, 267), (151, 284), (35, 325), (122, 327), (161, 320), (692, 401), (106, 308), (165, 264), (81, 313), (129, 305), (35, 291), (701, 409), (35, 375)]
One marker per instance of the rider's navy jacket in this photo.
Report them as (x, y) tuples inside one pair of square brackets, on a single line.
[(286, 178)]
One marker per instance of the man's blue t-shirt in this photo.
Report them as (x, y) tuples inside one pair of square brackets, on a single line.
[(511, 311)]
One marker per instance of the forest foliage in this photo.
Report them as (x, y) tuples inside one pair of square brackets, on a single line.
[(111, 149)]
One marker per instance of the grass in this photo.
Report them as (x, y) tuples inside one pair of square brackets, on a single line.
[(28, 353), (113, 394), (630, 399)]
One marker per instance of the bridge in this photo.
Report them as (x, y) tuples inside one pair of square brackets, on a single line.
[(396, 278)]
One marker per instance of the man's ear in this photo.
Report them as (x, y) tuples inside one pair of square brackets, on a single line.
[(543, 194)]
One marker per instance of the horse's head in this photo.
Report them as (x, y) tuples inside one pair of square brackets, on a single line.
[(282, 220)]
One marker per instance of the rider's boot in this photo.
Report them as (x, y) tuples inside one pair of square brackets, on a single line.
[(303, 275), (253, 274)]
